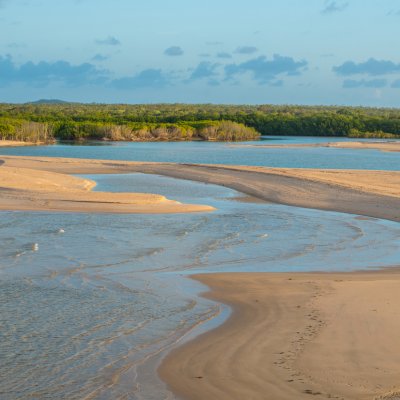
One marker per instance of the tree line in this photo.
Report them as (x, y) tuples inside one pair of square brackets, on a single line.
[(74, 121)]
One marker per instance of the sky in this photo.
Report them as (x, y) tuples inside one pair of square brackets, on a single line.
[(327, 52)]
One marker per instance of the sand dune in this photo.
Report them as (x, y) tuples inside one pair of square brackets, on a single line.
[(295, 336)]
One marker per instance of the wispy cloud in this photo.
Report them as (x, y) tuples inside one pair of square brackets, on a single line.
[(15, 45), (205, 71), (370, 67), (266, 71), (173, 51), (108, 41), (148, 78), (99, 57), (396, 84), (43, 73), (395, 13), (223, 54), (334, 6), (246, 50), (373, 83), (63, 73)]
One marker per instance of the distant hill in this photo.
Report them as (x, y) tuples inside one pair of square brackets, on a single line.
[(48, 101)]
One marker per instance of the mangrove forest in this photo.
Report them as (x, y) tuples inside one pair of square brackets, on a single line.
[(47, 121)]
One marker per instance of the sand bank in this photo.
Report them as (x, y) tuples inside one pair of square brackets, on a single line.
[(386, 183), (30, 189), (383, 146), (14, 143), (295, 336), (369, 193)]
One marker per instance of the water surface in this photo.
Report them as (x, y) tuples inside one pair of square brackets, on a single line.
[(225, 153), (86, 312)]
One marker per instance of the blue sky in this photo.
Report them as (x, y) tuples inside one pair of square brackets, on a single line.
[(220, 51)]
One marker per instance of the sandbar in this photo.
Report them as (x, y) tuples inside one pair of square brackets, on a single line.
[(295, 336), (38, 190), (390, 146), (16, 143), (361, 192)]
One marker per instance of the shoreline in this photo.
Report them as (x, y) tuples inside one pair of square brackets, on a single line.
[(388, 146), (24, 189), (18, 143), (361, 192), (298, 309), (292, 335)]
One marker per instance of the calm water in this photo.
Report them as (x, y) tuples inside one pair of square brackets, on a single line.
[(223, 153), (89, 302)]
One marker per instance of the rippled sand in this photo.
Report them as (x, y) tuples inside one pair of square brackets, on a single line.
[(100, 295), (295, 335), (249, 237)]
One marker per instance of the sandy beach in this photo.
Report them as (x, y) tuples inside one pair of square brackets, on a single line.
[(383, 146), (15, 143), (368, 193), (38, 190), (295, 336), (290, 335), (391, 146)]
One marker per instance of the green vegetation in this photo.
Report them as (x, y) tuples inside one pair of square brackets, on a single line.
[(142, 131), (46, 121), (26, 131), (355, 133)]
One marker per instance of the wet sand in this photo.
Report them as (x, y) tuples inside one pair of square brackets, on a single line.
[(391, 146), (295, 336), (290, 335), (38, 190), (367, 193)]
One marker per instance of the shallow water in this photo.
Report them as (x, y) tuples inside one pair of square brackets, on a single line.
[(225, 153), (85, 312)]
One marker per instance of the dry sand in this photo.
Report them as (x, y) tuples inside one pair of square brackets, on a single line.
[(380, 182), (369, 193), (295, 336), (30, 189), (291, 336), (384, 146), (381, 145), (14, 143)]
